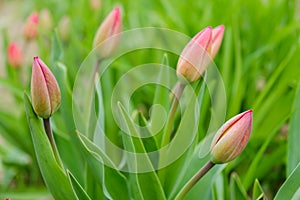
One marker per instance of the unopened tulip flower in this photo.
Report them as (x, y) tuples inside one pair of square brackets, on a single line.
[(194, 58), (64, 28), (45, 92), (14, 55), (109, 29), (217, 37), (31, 26), (45, 20), (231, 138), (95, 4)]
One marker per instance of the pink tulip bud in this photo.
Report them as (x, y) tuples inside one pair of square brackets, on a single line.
[(111, 27), (31, 26), (46, 22), (64, 28), (194, 58), (231, 138), (217, 37), (14, 55), (45, 93), (95, 4)]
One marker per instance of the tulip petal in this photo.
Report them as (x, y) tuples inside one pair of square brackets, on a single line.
[(45, 92), (232, 138), (52, 87), (109, 29), (39, 92), (195, 56), (217, 37)]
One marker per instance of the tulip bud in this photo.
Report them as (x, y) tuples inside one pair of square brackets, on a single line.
[(217, 37), (95, 4), (194, 58), (14, 55), (31, 26), (111, 27), (231, 138), (45, 21), (45, 93), (64, 28)]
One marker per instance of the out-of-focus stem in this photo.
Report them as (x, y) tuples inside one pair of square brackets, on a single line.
[(48, 130), (188, 186), (170, 121)]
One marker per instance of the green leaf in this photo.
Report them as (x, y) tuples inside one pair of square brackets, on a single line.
[(237, 89), (113, 182), (12, 87), (148, 140), (77, 188), (218, 190), (28, 193), (291, 186), (67, 146), (21, 136), (99, 136), (237, 191), (148, 182), (57, 51), (293, 154), (52, 173), (161, 100), (258, 192), (185, 138), (249, 177)]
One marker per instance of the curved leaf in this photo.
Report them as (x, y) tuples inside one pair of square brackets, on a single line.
[(293, 154), (77, 188), (113, 182), (148, 183), (290, 186), (53, 175)]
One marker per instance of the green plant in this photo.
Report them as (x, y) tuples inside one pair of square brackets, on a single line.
[(257, 63)]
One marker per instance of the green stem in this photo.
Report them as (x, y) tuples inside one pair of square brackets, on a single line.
[(178, 90), (48, 130), (188, 186), (170, 121)]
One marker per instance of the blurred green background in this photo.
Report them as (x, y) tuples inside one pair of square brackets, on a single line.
[(258, 60)]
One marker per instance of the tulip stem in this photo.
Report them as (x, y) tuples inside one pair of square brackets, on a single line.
[(169, 124), (178, 90), (188, 186), (48, 130)]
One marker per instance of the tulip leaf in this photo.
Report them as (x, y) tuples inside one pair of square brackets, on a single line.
[(52, 173), (291, 186), (21, 136), (258, 192), (189, 121), (147, 182), (148, 140), (293, 157), (248, 178), (99, 136), (12, 87), (218, 189), (113, 182), (161, 100), (79, 192), (68, 146), (237, 191), (57, 51)]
